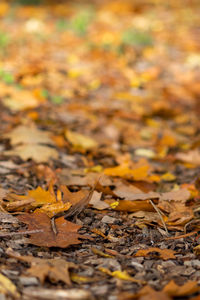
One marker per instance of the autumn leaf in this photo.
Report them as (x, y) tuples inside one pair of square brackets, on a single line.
[(29, 142), (123, 275), (80, 141), (145, 293), (7, 287), (39, 200), (163, 253), (67, 232), (187, 289), (28, 135), (124, 171), (53, 269)]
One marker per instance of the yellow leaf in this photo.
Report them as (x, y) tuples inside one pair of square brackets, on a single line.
[(7, 287), (124, 276), (80, 141), (54, 209), (168, 177), (80, 279), (124, 171), (41, 197), (96, 169)]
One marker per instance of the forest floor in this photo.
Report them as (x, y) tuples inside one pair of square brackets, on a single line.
[(99, 150)]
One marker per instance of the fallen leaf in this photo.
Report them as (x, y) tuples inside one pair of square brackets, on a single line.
[(187, 289), (80, 141), (38, 153), (67, 232), (145, 293), (7, 287), (163, 253), (53, 269), (29, 142), (28, 135), (20, 100), (192, 157), (132, 206), (123, 170), (123, 275), (96, 202), (45, 202)]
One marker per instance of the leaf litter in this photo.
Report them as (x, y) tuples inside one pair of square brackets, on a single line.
[(99, 149)]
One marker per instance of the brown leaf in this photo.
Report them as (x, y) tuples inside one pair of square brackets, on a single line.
[(163, 253), (132, 206), (67, 232), (189, 288), (54, 269), (145, 293), (96, 202)]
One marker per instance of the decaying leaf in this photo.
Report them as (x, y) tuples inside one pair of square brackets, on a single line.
[(67, 232), (145, 293), (53, 269), (162, 253), (187, 289)]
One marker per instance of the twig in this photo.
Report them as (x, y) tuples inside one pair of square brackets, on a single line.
[(161, 218), (53, 225), (20, 233), (181, 236)]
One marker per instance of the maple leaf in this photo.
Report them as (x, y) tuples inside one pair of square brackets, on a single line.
[(44, 201), (54, 269), (30, 142), (186, 289), (28, 135), (66, 231), (38, 153)]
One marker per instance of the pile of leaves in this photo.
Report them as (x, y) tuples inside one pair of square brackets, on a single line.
[(99, 149)]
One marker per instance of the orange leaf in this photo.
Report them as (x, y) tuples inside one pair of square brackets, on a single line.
[(163, 253)]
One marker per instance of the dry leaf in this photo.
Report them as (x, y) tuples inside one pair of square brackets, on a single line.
[(29, 142), (38, 153), (80, 141), (67, 232), (53, 269), (45, 202), (96, 202), (28, 135), (187, 289), (163, 253), (7, 287)]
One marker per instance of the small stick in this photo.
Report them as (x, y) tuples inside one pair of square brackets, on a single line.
[(53, 225), (161, 218), (74, 210), (181, 236)]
